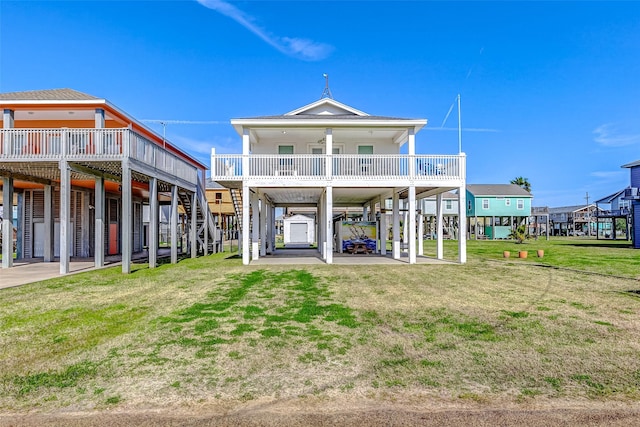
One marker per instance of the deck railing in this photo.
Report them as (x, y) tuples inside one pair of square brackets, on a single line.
[(341, 166), (91, 145)]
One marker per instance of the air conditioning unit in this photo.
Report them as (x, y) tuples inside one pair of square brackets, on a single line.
[(632, 193)]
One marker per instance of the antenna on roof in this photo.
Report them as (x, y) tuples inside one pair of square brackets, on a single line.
[(326, 93)]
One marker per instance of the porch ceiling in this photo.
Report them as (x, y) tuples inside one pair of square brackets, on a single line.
[(342, 197), (316, 135)]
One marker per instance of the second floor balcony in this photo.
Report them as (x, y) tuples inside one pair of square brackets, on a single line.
[(98, 147), (336, 167)]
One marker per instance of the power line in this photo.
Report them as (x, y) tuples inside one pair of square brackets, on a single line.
[(185, 122)]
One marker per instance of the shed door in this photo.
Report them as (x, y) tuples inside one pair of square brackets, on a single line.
[(298, 232)]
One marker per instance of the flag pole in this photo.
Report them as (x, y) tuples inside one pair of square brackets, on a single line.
[(459, 127)]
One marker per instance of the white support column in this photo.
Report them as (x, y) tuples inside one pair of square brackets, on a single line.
[(85, 237), (263, 225), (255, 226), (322, 243), (383, 230), (126, 217), (411, 132), (273, 229), (268, 225), (439, 237), (7, 222), (49, 225), (246, 150), (329, 225), (412, 224), (65, 216), (153, 222), (420, 234), (462, 225), (173, 218), (395, 248), (328, 139), (98, 239), (193, 231), (246, 194)]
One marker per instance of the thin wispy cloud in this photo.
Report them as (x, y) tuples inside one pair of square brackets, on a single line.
[(305, 49), (609, 136)]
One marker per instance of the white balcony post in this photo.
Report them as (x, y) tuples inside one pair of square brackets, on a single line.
[(153, 222), (193, 231), (412, 224), (65, 215), (8, 122), (412, 152), (383, 228), (246, 194), (421, 234), (439, 237), (174, 224), (263, 225), (328, 137), (246, 150), (395, 251), (255, 227), (329, 224), (462, 211), (126, 221), (48, 224), (99, 201), (99, 136), (322, 242), (462, 225), (7, 222)]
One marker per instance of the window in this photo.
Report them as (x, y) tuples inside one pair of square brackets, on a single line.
[(485, 203), (469, 205), (285, 149), (520, 204), (507, 202), (286, 162), (448, 204), (365, 149), (218, 197)]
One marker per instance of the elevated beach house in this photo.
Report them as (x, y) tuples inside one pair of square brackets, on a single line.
[(496, 209), (633, 195), (329, 155), (77, 171)]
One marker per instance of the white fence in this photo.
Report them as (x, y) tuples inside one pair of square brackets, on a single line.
[(338, 166), (91, 145)]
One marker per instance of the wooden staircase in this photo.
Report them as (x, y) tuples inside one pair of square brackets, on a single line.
[(203, 214)]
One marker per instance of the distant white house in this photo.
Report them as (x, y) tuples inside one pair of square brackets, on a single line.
[(299, 229)]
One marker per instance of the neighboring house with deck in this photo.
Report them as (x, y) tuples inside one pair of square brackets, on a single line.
[(80, 170), (633, 195), (493, 210), (574, 220), (329, 155), (609, 210)]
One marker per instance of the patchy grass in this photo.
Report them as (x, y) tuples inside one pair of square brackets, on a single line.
[(211, 330)]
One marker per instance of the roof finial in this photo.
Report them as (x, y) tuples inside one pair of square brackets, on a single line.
[(326, 93)]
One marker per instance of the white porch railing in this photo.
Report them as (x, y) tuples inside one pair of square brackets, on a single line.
[(229, 167), (91, 145)]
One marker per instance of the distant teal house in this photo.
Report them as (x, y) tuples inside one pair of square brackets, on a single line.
[(493, 210)]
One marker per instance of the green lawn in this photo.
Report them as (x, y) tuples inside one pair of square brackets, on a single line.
[(210, 330)]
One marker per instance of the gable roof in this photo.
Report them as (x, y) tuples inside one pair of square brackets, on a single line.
[(499, 190), (631, 165), (326, 112), (569, 209), (48, 95), (611, 197)]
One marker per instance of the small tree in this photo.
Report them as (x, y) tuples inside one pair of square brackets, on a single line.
[(522, 182), (519, 234)]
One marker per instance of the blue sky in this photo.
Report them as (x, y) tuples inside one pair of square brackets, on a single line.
[(550, 90)]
